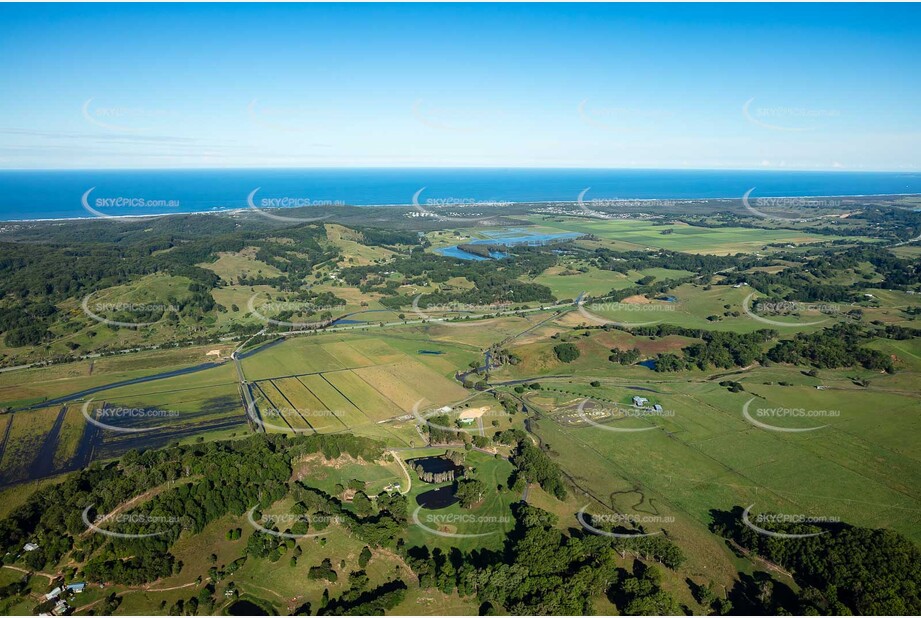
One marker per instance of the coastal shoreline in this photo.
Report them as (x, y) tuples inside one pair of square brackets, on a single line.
[(491, 203)]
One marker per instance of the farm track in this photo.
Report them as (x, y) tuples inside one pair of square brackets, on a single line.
[(147, 495), (50, 577)]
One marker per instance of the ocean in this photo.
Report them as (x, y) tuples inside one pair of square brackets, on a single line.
[(29, 195)]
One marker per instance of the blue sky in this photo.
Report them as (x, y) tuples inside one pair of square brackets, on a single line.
[(542, 85)]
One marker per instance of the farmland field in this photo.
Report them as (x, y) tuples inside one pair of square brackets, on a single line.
[(723, 241), (707, 454)]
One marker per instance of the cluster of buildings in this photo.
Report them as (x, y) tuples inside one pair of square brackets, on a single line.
[(61, 607)]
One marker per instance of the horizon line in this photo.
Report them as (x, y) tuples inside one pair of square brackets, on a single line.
[(461, 167)]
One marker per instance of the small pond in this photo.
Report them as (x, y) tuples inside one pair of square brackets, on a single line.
[(433, 465), (439, 498)]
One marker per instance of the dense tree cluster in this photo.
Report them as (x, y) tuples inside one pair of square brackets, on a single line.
[(566, 352), (534, 466), (541, 570), (199, 483), (494, 280), (839, 346), (844, 570), (89, 258)]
